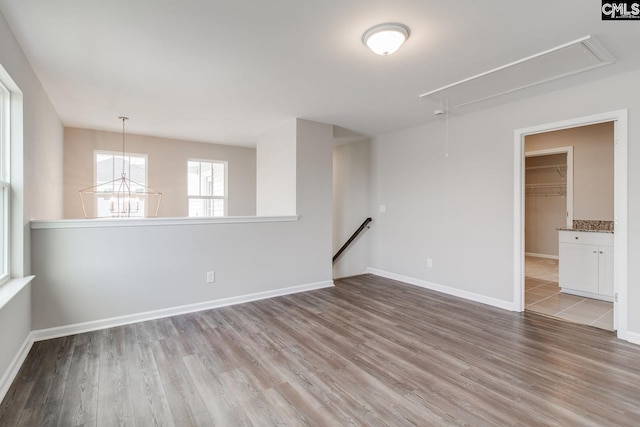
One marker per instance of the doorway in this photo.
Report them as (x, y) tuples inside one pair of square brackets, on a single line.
[(549, 205), (619, 120)]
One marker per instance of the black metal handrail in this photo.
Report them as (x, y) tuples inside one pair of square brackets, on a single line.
[(352, 238)]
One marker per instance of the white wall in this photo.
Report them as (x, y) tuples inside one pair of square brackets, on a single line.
[(276, 171), (351, 206), (37, 187), (458, 210), (167, 169), (92, 274)]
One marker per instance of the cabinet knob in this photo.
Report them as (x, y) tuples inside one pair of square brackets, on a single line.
[(601, 252), (595, 252), (576, 237)]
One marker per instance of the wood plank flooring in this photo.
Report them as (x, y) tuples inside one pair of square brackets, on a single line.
[(370, 351)]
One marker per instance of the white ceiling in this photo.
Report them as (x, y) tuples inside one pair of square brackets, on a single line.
[(228, 70)]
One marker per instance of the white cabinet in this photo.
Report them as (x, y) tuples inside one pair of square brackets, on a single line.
[(579, 267), (586, 264)]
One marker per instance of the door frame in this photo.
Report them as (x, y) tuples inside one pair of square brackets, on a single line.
[(620, 263)]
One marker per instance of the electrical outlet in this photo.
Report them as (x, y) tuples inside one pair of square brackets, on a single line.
[(429, 263), (211, 276)]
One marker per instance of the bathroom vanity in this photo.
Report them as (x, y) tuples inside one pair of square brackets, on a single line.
[(586, 263)]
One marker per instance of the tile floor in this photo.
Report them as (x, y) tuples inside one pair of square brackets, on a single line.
[(542, 295)]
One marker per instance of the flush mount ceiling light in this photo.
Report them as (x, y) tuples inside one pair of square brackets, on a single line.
[(384, 39)]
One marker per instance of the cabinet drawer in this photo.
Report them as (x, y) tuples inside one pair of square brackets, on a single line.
[(585, 238)]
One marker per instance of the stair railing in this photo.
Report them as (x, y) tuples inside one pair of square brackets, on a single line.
[(364, 225)]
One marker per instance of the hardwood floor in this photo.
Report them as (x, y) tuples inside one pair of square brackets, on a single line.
[(370, 351)]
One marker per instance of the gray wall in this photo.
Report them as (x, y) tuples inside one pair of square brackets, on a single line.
[(37, 187), (167, 169), (458, 210), (91, 274)]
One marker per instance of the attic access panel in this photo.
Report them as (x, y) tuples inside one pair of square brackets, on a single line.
[(564, 60)]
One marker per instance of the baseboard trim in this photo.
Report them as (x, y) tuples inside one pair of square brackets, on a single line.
[(542, 255), (633, 337), (586, 294), (61, 331), (15, 365), (494, 302)]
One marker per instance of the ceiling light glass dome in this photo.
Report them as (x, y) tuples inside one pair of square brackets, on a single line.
[(384, 39)]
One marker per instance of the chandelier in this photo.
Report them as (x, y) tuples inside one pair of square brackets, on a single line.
[(120, 197)]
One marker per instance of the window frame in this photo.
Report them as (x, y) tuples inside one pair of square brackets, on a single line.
[(5, 183), (126, 154), (224, 198)]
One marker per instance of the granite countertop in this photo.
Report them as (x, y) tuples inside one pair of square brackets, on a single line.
[(585, 230), (590, 226)]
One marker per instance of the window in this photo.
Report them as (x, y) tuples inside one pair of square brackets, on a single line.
[(109, 169), (207, 187), (5, 189)]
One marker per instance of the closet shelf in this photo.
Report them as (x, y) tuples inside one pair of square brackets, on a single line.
[(546, 190), (548, 194), (558, 166), (550, 185)]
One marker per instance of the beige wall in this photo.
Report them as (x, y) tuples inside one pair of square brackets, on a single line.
[(592, 184), (545, 207), (592, 166), (167, 169)]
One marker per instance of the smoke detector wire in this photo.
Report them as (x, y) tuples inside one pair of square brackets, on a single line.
[(446, 132)]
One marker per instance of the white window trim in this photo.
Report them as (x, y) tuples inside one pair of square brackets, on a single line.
[(225, 198), (5, 174), (16, 240)]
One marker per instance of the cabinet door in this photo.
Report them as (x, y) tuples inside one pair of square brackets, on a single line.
[(605, 270), (578, 267)]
